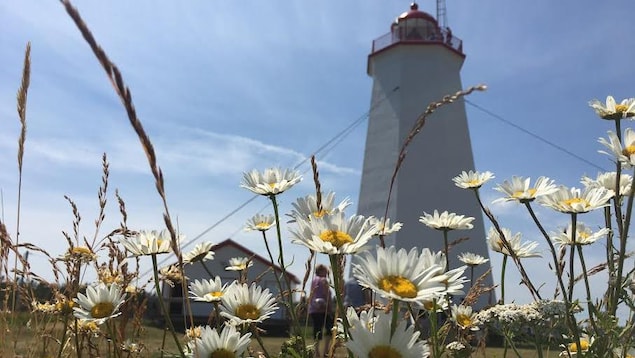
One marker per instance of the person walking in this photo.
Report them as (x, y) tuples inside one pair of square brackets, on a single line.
[(320, 307)]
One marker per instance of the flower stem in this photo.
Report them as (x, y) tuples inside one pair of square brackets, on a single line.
[(588, 289), (337, 282), (445, 243), (295, 324), (395, 317), (166, 314), (254, 329), (502, 300)]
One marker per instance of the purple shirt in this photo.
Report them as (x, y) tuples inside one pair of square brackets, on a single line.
[(320, 295)]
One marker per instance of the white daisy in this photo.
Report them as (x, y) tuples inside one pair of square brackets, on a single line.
[(524, 250), (454, 281), (272, 181), (623, 152), (575, 201), (247, 304), (430, 258), (171, 274), (201, 252), (207, 290), (613, 111), (437, 304), (383, 226), (100, 303), (471, 259), (333, 234), (607, 180), (463, 317), (583, 236), (379, 342), (519, 189), (260, 222), (148, 243), (472, 179), (572, 348), (228, 344), (446, 221), (239, 264), (400, 275), (307, 208)]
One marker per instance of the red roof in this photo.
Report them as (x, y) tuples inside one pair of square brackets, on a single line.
[(253, 256), (414, 13)]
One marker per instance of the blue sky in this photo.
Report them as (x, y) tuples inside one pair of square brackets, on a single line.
[(223, 87)]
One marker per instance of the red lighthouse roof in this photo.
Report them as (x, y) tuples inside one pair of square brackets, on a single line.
[(415, 13)]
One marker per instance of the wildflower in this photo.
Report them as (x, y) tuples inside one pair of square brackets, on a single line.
[(453, 281), (272, 181), (63, 305), (43, 307), (306, 208), (524, 250), (207, 290), (400, 275), (573, 349), (383, 226), (193, 332), (247, 304), (107, 276), (99, 304), (201, 252), (472, 179), (623, 152), (239, 264), (229, 343), (148, 243), (471, 259), (81, 254), (613, 111), (583, 236), (131, 347), (463, 317), (574, 201), (333, 234), (435, 304), (446, 221), (171, 274), (89, 327), (260, 222), (379, 342), (607, 180), (519, 189)]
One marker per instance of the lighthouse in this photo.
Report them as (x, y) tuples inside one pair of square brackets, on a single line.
[(416, 63)]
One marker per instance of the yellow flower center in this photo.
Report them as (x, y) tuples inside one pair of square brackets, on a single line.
[(384, 352), (64, 306), (430, 305), (621, 108), (463, 320), (401, 286), (474, 182), (263, 225), (216, 293), (573, 201), (629, 150), (319, 214), (81, 250), (573, 347), (247, 311), (272, 185), (336, 238), (583, 234), (222, 353), (102, 310), (521, 193)]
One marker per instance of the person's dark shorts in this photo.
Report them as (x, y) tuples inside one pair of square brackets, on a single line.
[(321, 322)]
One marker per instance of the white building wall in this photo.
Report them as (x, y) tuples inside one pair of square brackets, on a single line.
[(423, 73)]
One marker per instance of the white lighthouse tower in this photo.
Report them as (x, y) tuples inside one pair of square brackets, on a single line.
[(416, 63)]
